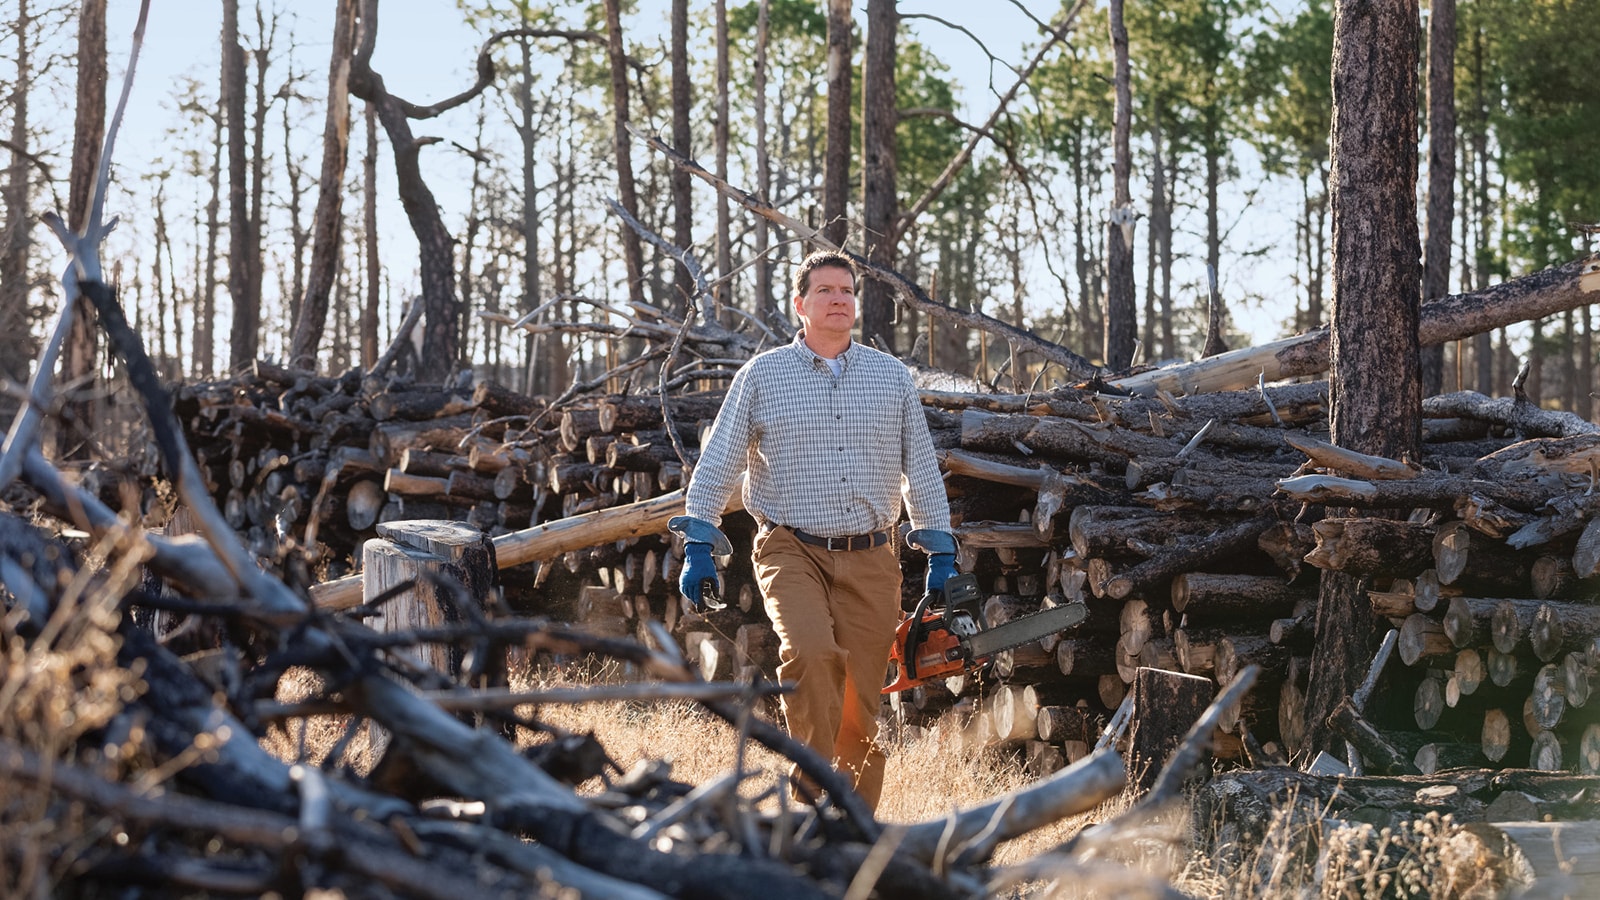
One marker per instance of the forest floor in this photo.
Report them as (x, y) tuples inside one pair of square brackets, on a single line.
[(931, 773)]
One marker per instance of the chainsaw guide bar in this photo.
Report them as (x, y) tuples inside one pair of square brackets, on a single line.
[(939, 642), (1026, 629)]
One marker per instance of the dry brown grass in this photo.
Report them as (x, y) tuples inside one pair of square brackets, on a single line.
[(55, 689), (933, 772), (930, 773)]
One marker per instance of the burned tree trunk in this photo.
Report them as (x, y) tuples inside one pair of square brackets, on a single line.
[(335, 151), (1375, 381)]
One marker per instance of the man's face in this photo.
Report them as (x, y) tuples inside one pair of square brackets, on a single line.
[(828, 307)]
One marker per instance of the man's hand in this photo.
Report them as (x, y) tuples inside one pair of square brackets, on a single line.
[(698, 568), (941, 568)]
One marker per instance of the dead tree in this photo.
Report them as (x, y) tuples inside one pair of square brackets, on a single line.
[(313, 307), (441, 337)]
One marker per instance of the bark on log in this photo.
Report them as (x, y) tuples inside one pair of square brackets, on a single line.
[(1084, 657), (1511, 622), (1372, 745), (1559, 626), (1423, 641), (1371, 546), (1059, 724), (1467, 621), (1445, 319), (1578, 672), (1075, 789), (1437, 756), (1186, 556), (428, 553), (1166, 704), (549, 540)]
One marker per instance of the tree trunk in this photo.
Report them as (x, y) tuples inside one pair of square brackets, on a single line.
[(88, 133), (369, 238), (532, 267), (261, 56), (435, 246), (878, 191), (245, 334), (313, 308), (205, 338), (763, 304), (1374, 379), (1441, 173), (1122, 327), (632, 249), (682, 110), (1160, 240), (724, 214), (836, 159), (1483, 344)]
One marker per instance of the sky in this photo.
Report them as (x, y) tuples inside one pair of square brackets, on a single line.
[(425, 53)]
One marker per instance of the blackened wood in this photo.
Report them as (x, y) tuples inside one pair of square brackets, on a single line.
[(1371, 546), (1085, 657), (1437, 756), (1212, 598), (1559, 626), (1166, 705), (1058, 724), (1129, 531), (1374, 748), (419, 404), (1239, 650), (1189, 555)]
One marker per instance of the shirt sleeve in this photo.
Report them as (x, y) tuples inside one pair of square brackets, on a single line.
[(725, 454), (923, 486)]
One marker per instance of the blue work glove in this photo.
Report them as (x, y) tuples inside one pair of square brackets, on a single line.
[(941, 568), (698, 567)]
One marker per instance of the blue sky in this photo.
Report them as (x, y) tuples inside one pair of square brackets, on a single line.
[(425, 52)]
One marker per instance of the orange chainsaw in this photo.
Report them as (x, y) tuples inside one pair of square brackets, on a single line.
[(937, 642)]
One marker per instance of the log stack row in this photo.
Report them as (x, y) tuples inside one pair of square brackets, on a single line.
[(302, 462), (1196, 530)]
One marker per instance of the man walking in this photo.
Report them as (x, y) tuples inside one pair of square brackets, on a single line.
[(831, 438)]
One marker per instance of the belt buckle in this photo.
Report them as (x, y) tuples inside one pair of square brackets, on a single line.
[(845, 544)]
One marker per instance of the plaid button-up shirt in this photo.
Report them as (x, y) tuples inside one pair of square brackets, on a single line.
[(824, 454)]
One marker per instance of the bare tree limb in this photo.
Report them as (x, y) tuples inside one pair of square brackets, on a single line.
[(910, 294), (960, 160), (690, 310)]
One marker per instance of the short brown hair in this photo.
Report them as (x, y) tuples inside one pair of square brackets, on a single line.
[(823, 259)]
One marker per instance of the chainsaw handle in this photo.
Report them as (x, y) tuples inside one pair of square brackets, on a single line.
[(916, 633), (711, 595)]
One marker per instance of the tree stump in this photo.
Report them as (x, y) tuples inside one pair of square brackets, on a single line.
[(1166, 704), (434, 555)]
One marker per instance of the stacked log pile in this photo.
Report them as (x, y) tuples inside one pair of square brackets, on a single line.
[(313, 463), (1195, 529)]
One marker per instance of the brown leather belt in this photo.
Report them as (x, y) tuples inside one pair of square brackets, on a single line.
[(846, 542)]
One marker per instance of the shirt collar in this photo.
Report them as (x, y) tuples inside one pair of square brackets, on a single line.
[(811, 357)]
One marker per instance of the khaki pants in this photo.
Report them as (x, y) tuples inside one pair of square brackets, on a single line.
[(835, 613)]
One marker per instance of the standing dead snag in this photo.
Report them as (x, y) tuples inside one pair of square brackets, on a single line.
[(436, 246), (313, 306)]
